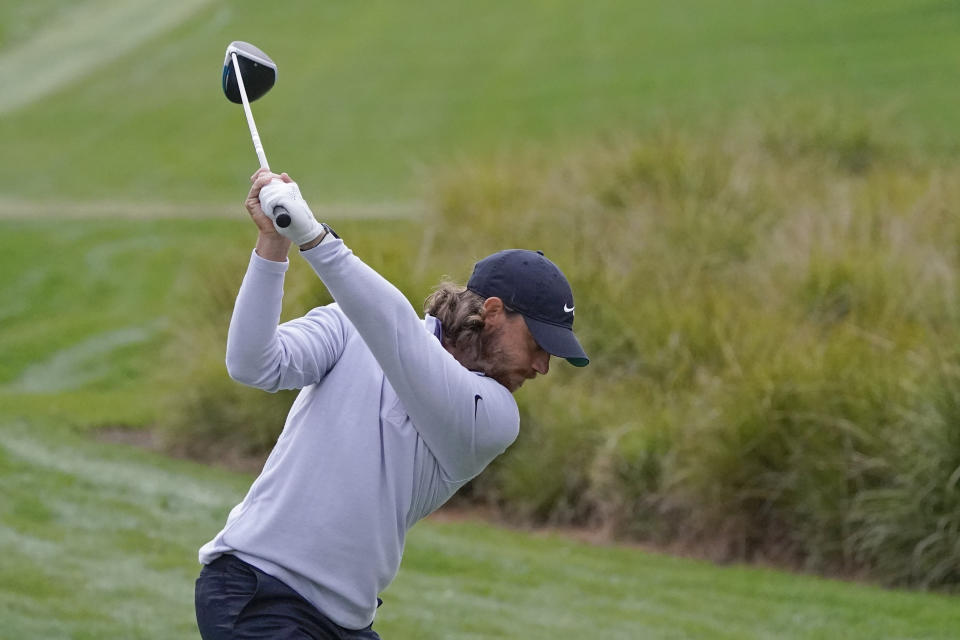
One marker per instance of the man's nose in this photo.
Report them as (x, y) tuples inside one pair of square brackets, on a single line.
[(541, 362)]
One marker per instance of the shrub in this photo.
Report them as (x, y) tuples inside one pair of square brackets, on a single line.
[(763, 310)]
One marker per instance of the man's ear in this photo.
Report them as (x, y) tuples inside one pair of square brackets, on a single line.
[(493, 311)]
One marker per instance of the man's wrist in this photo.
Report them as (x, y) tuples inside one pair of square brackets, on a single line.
[(327, 231), (273, 247), (310, 245)]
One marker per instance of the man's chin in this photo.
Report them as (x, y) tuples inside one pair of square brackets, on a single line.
[(509, 380), (515, 385), (511, 383)]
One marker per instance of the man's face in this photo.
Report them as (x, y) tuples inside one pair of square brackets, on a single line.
[(510, 354)]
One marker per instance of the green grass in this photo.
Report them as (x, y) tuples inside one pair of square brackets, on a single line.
[(20, 21), (100, 540), (90, 307), (806, 216), (772, 317), (87, 305), (373, 94)]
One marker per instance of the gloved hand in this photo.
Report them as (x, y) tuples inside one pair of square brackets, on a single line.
[(303, 226)]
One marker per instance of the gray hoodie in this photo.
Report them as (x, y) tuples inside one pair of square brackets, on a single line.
[(387, 426)]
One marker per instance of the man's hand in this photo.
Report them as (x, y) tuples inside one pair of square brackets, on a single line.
[(281, 191), (270, 244)]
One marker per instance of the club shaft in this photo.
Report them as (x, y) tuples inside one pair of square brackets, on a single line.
[(257, 146)]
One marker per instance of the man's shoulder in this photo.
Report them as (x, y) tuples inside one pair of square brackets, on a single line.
[(333, 310), (500, 403)]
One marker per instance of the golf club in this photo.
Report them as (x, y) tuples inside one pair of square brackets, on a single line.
[(249, 73)]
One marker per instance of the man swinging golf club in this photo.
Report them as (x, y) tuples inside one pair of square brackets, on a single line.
[(395, 413)]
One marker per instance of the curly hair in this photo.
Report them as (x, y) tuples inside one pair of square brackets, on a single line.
[(460, 312)]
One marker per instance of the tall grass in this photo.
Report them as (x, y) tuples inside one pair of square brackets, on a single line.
[(772, 318)]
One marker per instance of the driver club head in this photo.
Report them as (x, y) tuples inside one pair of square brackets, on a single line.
[(259, 72)]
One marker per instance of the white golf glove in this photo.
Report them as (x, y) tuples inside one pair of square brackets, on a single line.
[(303, 226)]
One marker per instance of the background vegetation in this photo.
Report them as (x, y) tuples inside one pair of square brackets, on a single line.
[(774, 315), (772, 319)]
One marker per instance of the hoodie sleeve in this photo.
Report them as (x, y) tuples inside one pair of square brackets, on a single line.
[(465, 418), (292, 355)]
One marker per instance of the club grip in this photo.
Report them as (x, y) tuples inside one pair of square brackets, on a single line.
[(282, 217)]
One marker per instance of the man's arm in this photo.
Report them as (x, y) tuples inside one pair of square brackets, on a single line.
[(465, 419), (291, 356), (259, 353)]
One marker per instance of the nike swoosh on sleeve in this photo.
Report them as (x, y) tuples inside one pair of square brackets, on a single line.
[(476, 401)]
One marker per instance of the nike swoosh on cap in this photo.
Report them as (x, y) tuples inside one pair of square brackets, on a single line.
[(567, 309)]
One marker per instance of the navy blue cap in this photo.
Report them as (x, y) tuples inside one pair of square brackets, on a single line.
[(530, 284)]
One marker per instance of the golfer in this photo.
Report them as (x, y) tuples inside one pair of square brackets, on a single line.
[(395, 413)]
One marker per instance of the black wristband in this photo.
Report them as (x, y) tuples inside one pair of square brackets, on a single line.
[(329, 230), (316, 242)]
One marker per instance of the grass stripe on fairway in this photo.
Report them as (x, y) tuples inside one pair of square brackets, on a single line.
[(100, 540), (79, 40)]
